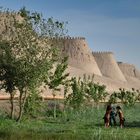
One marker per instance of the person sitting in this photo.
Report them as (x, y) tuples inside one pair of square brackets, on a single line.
[(121, 116), (113, 117), (107, 116)]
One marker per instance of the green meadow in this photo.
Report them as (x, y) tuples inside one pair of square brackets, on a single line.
[(83, 124)]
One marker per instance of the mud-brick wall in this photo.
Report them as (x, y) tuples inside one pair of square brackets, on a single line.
[(80, 56), (108, 65)]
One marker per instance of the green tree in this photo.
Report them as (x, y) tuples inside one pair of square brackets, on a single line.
[(85, 90), (96, 92), (32, 53), (7, 72), (58, 78), (127, 97), (33, 104), (77, 96)]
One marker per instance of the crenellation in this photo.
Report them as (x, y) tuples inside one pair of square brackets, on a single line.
[(129, 70), (102, 52), (67, 38), (108, 65), (125, 64)]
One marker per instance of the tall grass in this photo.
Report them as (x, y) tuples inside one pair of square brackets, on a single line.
[(83, 124)]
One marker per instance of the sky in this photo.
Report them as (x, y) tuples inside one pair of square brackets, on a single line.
[(107, 25)]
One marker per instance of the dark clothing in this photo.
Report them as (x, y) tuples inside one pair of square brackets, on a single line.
[(113, 118)]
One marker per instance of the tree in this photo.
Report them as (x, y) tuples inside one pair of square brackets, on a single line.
[(58, 78), (33, 104), (33, 57), (128, 97), (85, 90), (77, 96), (7, 72), (94, 91)]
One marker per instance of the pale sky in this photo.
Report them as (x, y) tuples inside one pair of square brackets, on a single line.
[(107, 25)]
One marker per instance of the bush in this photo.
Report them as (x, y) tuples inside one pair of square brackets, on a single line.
[(127, 97), (33, 104)]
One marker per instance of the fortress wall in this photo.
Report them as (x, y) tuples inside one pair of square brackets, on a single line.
[(75, 72), (5, 31), (129, 70), (81, 61), (108, 65), (76, 48), (137, 73), (79, 54), (8, 31)]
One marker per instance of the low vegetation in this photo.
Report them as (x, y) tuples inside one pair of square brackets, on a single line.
[(127, 97), (85, 123)]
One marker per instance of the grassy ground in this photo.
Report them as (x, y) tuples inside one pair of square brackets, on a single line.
[(85, 124)]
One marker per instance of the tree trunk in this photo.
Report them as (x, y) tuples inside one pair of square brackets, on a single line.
[(12, 106), (54, 109), (97, 105), (21, 106)]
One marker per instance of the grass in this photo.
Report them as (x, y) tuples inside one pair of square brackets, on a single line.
[(84, 124)]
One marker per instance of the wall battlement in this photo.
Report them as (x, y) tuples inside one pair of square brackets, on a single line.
[(80, 55), (108, 65), (67, 38), (104, 52), (125, 64), (129, 70)]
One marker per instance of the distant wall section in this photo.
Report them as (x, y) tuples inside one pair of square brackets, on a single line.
[(7, 29), (108, 65), (129, 70)]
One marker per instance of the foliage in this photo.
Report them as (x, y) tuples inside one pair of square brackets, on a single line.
[(58, 77), (7, 71), (96, 92), (126, 97), (85, 91), (31, 53), (33, 104), (76, 98), (85, 124), (44, 27)]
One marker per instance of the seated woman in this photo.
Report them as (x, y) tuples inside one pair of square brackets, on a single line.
[(121, 116), (107, 116)]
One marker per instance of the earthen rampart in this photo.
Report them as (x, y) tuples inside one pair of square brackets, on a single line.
[(108, 65), (67, 38), (80, 56), (81, 60), (129, 70)]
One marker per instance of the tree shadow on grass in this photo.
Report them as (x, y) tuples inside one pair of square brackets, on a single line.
[(134, 124), (100, 124)]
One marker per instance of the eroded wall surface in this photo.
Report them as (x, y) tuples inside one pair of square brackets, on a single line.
[(81, 61), (79, 54), (108, 65), (129, 70)]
